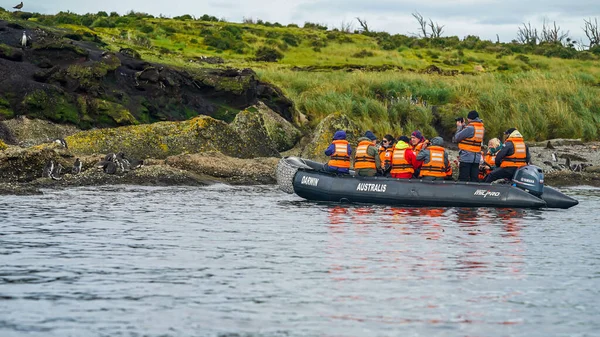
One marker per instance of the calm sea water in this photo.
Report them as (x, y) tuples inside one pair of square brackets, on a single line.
[(253, 261)]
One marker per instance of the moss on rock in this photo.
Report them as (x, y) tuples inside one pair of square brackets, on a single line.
[(282, 134), (163, 139), (250, 126), (28, 132), (323, 135), (10, 53), (52, 105), (3, 146)]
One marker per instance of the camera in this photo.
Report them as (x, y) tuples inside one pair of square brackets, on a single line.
[(460, 119)]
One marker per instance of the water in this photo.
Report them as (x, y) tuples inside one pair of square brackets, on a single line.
[(252, 261)]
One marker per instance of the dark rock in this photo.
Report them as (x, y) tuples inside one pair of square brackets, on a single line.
[(10, 53), (44, 75), (148, 74), (14, 25), (130, 53)]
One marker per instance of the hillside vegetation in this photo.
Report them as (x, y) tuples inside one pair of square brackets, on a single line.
[(387, 83)]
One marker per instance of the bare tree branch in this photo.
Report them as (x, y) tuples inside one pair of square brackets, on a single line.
[(436, 29), (422, 24), (592, 32), (363, 23), (527, 34), (552, 34), (347, 27)]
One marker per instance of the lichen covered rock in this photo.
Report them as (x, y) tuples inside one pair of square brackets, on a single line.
[(282, 134), (28, 132), (323, 135), (250, 127), (164, 139)]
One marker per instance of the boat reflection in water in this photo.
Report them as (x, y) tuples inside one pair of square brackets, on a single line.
[(418, 257)]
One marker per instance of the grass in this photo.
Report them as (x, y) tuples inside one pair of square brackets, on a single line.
[(510, 85)]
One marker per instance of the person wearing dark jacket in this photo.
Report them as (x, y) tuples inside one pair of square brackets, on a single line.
[(469, 138), (513, 155), (339, 150)]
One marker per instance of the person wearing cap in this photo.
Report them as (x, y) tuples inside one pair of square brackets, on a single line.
[(339, 150), (513, 155), (404, 161), (417, 141), (385, 153), (469, 138), (366, 160), (435, 160)]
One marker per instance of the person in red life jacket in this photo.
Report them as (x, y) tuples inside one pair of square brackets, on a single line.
[(339, 150), (513, 155), (417, 141), (366, 161), (488, 161), (435, 160), (469, 138), (385, 154), (404, 161)]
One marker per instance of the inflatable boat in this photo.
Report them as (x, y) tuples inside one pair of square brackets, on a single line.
[(308, 180)]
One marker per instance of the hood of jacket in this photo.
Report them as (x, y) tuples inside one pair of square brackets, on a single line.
[(339, 135), (515, 134), (437, 141), (401, 145)]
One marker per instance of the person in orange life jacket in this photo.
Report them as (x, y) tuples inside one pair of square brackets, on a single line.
[(339, 150), (366, 160), (385, 154), (417, 141), (469, 138), (513, 155), (435, 160), (404, 161), (488, 161)]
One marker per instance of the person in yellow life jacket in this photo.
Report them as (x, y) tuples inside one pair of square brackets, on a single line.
[(339, 150), (488, 160), (417, 141), (404, 161), (366, 160), (469, 138), (385, 154), (435, 160), (513, 155)]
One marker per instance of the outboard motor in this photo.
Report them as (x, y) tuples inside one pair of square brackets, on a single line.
[(530, 178)]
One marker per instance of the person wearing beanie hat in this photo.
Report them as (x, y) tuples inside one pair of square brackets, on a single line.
[(434, 157), (469, 138), (404, 162), (417, 140), (367, 161), (514, 154), (339, 150)]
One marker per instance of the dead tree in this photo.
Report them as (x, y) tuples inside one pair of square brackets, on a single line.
[(552, 34), (436, 29), (347, 27), (592, 32), (363, 23), (422, 25), (527, 34)]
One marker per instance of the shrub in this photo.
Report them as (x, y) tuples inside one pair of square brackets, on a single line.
[(522, 58), (310, 25), (291, 39), (268, 54), (363, 53), (146, 29)]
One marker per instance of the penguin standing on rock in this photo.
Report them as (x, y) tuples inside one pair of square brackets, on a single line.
[(77, 166), (61, 142), (56, 173), (48, 168), (24, 40)]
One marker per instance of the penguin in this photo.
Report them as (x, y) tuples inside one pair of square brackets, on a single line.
[(136, 164), (77, 166), (24, 40), (61, 142), (48, 168), (568, 163), (110, 157), (56, 172), (110, 168), (549, 146), (554, 157), (19, 6)]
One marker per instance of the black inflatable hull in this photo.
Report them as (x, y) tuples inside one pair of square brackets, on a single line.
[(311, 184)]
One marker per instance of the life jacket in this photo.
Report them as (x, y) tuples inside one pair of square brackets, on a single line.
[(417, 148), (489, 159), (473, 144), (436, 166), (399, 162), (363, 160), (385, 154), (519, 156), (340, 157)]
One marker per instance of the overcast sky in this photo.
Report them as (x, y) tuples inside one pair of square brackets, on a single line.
[(484, 18)]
